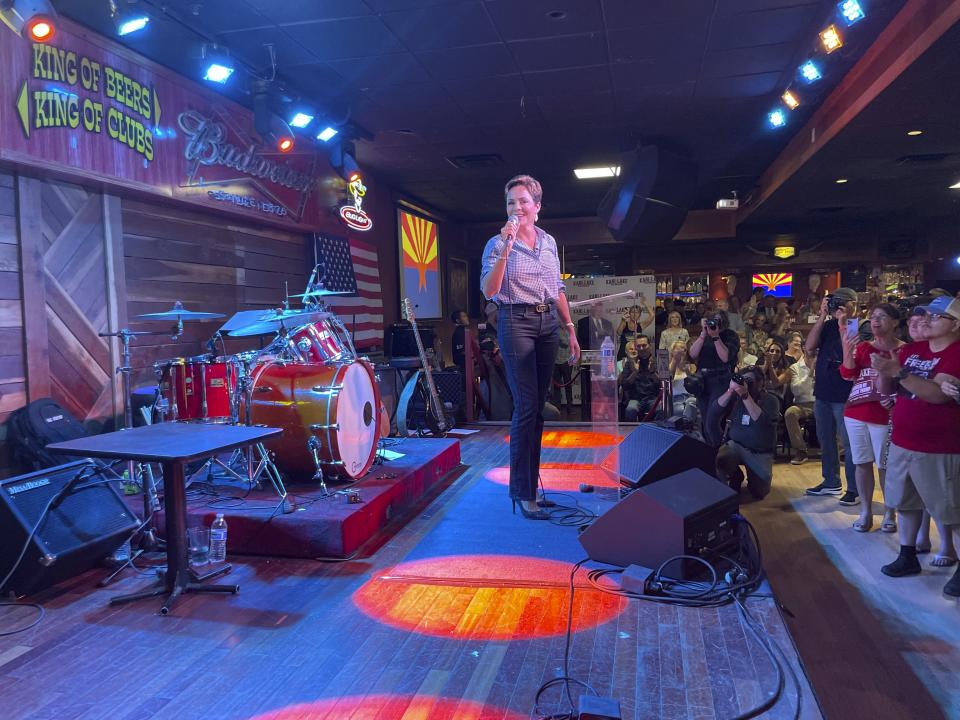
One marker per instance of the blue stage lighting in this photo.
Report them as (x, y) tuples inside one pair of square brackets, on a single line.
[(218, 67), (327, 134), (777, 118), (301, 120), (810, 72), (131, 24), (852, 11), (218, 73)]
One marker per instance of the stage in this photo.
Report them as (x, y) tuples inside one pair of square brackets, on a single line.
[(461, 613)]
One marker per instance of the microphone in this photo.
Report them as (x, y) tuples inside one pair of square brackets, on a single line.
[(515, 221)]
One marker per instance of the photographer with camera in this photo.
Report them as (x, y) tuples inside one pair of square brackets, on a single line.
[(752, 437), (715, 353), (830, 393)]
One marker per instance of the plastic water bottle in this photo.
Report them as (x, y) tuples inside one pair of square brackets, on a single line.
[(218, 539), (607, 366)]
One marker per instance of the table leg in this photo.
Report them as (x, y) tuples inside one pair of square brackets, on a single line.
[(179, 577)]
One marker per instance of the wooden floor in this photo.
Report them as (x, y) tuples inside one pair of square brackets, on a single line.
[(874, 646), (381, 637)]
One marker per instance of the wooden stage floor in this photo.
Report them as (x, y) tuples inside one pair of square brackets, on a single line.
[(462, 614)]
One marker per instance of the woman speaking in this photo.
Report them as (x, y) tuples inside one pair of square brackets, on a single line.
[(521, 273)]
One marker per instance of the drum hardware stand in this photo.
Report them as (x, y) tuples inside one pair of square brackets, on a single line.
[(136, 471)]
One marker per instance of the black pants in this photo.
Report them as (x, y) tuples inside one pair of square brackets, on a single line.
[(715, 384), (528, 345)]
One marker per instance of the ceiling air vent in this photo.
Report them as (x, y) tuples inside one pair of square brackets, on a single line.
[(923, 158), (475, 162)]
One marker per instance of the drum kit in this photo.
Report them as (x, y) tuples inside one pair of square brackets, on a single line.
[(308, 380)]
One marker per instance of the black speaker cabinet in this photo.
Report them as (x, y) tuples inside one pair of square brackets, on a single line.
[(90, 522), (651, 453), (648, 202), (686, 514)]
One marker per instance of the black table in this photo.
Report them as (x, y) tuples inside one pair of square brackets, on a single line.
[(172, 445)]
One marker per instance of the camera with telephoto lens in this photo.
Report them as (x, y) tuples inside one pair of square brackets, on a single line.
[(712, 324), (834, 303)]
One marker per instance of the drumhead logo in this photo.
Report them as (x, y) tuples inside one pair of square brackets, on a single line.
[(353, 215)]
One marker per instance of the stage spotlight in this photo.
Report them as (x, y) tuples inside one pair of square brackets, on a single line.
[(957, 259), (218, 67), (810, 72), (285, 144), (790, 100), (777, 119), (300, 120), (852, 11), (34, 16), (327, 134), (127, 20), (830, 39)]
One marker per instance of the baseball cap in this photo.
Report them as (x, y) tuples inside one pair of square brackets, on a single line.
[(845, 294), (944, 305)]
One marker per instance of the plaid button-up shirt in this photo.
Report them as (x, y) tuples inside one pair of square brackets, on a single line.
[(531, 276)]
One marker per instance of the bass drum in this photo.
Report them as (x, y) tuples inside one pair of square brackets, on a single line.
[(330, 409)]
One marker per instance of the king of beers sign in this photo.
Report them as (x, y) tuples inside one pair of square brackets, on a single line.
[(353, 215)]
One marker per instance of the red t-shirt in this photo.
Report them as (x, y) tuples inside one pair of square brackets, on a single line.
[(863, 404), (921, 426)]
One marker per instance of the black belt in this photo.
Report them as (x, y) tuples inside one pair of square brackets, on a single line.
[(539, 307)]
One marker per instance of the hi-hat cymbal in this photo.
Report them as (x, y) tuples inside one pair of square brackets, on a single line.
[(273, 322), (178, 313)]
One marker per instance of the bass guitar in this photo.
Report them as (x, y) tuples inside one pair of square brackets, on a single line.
[(421, 386)]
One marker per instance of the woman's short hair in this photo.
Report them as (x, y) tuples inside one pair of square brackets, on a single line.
[(891, 311), (530, 183)]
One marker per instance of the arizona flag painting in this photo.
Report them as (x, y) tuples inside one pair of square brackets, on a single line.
[(776, 284), (419, 264)]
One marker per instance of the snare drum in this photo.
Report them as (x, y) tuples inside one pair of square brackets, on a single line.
[(328, 409), (319, 342), (201, 388)]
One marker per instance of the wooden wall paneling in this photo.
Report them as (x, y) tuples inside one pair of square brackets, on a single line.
[(34, 293)]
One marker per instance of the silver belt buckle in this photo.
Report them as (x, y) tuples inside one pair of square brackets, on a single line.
[(541, 308)]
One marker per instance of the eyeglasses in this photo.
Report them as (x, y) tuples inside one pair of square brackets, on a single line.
[(938, 316)]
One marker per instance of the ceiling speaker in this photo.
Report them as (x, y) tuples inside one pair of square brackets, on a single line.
[(650, 199)]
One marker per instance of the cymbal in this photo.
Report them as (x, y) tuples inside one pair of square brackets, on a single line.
[(271, 323), (178, 313), (322, 291)]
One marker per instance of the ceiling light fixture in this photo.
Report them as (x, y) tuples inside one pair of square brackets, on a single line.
[(830, 39), (127, 20), (790, 100), (810, 72), (842, 181), (34, 16), (327, 134), (851, 11), (914, 133), (301, 120), (590, 173), (777, 119), (218, 67)]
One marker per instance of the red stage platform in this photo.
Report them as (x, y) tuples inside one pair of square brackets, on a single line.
[(331, 527)]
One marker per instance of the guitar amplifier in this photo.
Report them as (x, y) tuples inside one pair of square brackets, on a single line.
[(89, 522), (449, 384)]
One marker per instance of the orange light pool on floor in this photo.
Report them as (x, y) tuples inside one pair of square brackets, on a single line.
[(575, 439), (561, 477), (484, 597), (407, 707)]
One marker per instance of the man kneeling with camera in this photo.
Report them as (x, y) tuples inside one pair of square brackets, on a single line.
[(752, 436)]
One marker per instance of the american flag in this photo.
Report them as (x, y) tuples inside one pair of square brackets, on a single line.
[(352, 267)]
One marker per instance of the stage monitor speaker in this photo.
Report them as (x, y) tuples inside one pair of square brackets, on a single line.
[(649, 200), (91, 521), (686, 514), (651, 453)]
